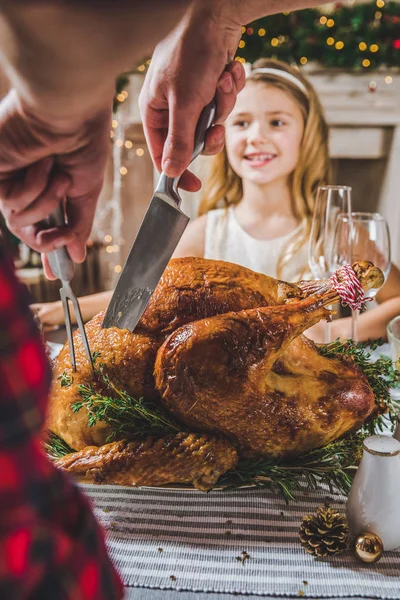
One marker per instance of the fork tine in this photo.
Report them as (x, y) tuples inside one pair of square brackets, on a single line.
[(81, 326), (68, 325), (69, 294)]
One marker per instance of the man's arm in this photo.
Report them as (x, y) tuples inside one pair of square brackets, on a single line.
[(63, 56), (188, 68)]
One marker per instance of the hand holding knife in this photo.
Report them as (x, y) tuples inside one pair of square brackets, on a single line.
[(158, 236)]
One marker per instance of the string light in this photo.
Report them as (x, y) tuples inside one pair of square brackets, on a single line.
[(118, 268), (388, 79), (109, 249), (128, 144), (339, 19), (111, 134), (140, 151), (115, 248), (366, 62), (123, 170), (303, 60), (119, 143), (120, 97), (125, 94), (114, 123), (142, 68), (108, 238)]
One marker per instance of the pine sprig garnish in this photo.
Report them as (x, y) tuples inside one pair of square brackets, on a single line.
[(55, 446), (380, 373), (127, 417), (333, 465)]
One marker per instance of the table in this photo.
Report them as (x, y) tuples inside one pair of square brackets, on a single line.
[(184, 544)]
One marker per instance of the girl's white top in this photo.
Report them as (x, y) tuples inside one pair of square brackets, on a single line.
[(226, 240)]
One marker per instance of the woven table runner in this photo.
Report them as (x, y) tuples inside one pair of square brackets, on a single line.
[(242, 542)]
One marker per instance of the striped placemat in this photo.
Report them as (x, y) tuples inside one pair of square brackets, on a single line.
[(242, 542)]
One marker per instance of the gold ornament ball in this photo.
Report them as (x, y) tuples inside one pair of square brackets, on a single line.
[(368, 547)]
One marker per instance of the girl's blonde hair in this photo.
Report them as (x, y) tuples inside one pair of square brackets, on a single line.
[(312, 169)]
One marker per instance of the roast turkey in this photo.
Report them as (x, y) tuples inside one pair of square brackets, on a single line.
[(226, 349)]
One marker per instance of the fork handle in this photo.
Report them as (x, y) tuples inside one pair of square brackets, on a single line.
[(60, 261)]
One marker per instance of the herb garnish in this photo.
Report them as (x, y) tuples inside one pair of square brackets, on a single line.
[(55, 446), (127, 417), (65, 379), (332, 465)]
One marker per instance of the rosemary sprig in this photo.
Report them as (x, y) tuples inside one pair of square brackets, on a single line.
[(128, 417), (333, 465), (55, 446), (65, 379)]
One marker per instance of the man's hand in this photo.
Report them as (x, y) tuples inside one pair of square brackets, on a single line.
[(187, 69), (42, 163)]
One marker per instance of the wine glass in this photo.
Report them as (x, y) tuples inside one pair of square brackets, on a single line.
[(331, 202), (364, 237)]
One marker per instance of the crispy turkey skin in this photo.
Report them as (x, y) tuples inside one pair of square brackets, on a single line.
[(189, 458)]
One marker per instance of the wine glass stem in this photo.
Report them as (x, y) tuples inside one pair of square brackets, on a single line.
[(354, 325)]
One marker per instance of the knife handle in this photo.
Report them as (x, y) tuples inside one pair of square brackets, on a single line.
[(169, 185), (60, 261), (205, 121)]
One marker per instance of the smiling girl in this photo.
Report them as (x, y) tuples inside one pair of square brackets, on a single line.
[(258, 201)]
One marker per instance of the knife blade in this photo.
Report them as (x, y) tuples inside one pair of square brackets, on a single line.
[(158, 236)]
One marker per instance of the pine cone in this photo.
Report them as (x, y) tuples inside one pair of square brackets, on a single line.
[(325, 533)]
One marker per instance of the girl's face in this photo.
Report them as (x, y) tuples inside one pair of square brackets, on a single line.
[(264, 133)]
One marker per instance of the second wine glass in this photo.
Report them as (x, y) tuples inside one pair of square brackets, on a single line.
[(332, 202)]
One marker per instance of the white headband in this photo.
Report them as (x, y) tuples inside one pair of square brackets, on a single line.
[(279, 73)]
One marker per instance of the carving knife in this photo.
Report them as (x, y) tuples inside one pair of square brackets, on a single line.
[(158, 236)]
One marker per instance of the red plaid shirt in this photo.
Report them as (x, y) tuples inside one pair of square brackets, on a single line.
[(51, 547)]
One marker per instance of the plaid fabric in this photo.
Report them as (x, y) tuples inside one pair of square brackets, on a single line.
[(51, 547)]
